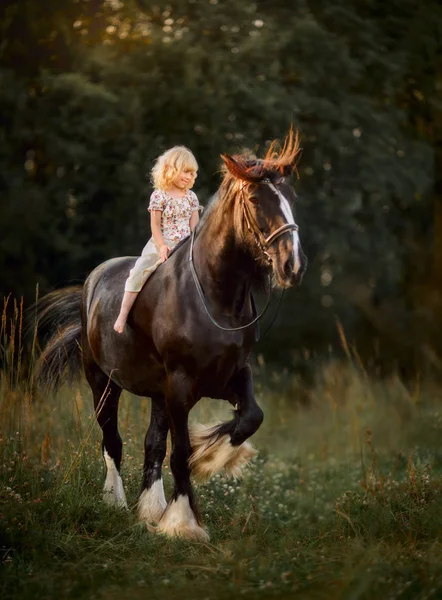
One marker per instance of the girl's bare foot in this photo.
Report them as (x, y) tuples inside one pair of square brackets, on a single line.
[(126, 304), (120, 324)]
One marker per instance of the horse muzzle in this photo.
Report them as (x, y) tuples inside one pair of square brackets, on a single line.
[(292, 271)]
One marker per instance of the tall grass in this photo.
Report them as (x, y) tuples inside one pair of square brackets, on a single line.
[(11, 337), (343, 500)]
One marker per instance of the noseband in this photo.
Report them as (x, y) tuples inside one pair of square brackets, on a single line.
[(264, 243)]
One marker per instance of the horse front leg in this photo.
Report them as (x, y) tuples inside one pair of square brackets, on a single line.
[(152, 502), (224, 446), (181, 515)]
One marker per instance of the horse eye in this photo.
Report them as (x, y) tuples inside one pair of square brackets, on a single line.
[(253, 199)]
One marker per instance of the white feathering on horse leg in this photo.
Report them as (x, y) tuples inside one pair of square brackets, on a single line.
[(113, 491), (179, 520), (152, 503), (213, 453)]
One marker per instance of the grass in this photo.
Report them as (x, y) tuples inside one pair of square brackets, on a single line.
[(342, 502)]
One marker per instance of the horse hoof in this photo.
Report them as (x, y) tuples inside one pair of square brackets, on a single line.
[(179, 521), (213, 453), (115, 500), (152, 503), (194, 534)]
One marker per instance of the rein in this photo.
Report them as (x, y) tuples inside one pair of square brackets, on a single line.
[(263, 244), (203, 299)]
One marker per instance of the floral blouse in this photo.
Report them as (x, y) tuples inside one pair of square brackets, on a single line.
[(176, 213)]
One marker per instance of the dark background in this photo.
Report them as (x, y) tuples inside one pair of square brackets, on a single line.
[(91, 92)]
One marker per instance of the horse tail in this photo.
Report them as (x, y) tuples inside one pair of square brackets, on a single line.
[(59, 320)]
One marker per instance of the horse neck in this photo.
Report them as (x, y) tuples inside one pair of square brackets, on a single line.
[(224, 266)]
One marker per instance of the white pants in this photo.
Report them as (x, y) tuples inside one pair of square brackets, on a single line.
[(145, 265)]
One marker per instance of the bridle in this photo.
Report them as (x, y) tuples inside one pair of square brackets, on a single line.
[(263, 244)]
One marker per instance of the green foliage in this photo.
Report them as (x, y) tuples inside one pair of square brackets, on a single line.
[(99, 89)]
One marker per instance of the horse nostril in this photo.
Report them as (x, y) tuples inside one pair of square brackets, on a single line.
[(288, 268)]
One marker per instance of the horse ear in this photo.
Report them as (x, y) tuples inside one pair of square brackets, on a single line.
[(231, 164), (236, 168), (240, 169)]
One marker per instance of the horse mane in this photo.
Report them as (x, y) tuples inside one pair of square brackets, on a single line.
[(246, 170), (278, 162)]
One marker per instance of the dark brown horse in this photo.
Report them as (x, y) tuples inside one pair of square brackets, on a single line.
[(172, 349)]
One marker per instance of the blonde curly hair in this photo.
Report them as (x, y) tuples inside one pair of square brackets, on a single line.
[(170, 164)]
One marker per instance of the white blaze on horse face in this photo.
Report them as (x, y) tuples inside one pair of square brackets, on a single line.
[(287, 212), (113, 491)]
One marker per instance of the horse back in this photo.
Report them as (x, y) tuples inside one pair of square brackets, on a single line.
[(110, 275), (115, 354)]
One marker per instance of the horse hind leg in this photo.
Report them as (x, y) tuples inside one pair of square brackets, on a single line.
[(152, 502), (106, 399), (224, 447)]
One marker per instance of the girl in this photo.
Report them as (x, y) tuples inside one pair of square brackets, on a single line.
[(173, 215)]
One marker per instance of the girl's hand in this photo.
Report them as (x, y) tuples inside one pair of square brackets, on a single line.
[(164, 252)]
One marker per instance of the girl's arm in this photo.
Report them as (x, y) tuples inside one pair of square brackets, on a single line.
[(155, 224), (194, 218)]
